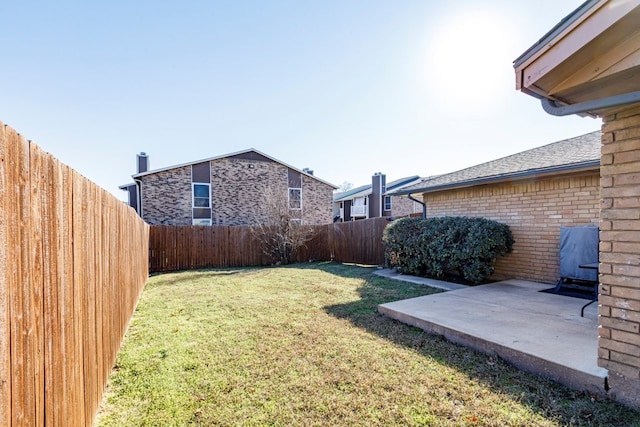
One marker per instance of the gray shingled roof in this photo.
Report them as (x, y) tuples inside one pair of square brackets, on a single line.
[(365, 190), (578, 153)]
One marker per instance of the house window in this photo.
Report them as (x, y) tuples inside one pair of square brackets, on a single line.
[(295, 198), (201, 221), (387, 203), (201, 195)]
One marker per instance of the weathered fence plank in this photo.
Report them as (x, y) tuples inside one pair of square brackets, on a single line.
[(35, 262), (5, 297)]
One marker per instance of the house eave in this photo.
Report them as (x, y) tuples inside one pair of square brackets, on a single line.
[(597, 43), (125, 187), (364, 193), (548, 39)]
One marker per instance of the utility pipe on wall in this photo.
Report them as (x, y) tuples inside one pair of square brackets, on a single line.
[(424, 205)]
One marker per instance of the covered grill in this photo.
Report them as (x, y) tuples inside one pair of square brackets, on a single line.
[(578, 258)]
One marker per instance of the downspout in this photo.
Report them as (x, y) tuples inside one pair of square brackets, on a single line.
[(424, 205), (552, 107)]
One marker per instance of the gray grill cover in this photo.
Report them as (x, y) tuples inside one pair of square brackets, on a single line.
[(578, 246)]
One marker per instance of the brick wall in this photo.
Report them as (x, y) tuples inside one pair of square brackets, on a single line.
[(534, 210), (238, 189), (317, 202), (166, 197), (403, 206), (619, 320)]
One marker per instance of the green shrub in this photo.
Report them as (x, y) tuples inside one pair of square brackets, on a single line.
[(433, 247)]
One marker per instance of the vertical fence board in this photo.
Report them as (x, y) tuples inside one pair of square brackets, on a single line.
[(100, 260), (53, 326), (78, 294), (37, 218), (5, 286), (22, 393), (67, 359), (89, 305)]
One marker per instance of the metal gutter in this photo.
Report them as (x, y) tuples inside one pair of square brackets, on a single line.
[(552, 107), (575, 167)]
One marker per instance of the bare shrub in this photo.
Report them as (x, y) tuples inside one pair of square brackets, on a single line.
[(279, 229)]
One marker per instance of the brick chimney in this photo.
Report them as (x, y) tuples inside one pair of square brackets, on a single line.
[(378, 188), (143, 162)]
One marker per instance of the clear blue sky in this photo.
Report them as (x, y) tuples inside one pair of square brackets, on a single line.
[(347, 88)]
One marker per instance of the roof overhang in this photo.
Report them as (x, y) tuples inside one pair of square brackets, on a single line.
[(125, 187), (352, 196), (587, 64), (510, 177)]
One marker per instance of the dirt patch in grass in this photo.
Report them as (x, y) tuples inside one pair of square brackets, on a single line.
[(304, 345)]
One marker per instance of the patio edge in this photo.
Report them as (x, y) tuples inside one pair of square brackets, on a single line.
[(572, 378)]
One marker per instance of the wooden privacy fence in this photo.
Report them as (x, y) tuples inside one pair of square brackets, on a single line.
[(73, 262), (173, 248)]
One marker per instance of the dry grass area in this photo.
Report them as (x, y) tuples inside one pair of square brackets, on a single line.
[(304, 345)]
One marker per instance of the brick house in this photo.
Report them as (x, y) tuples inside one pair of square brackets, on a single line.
[(226, 190), (374, 200), (535, 192), (588, 64)]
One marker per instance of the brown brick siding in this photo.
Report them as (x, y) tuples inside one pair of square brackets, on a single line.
[(166, 197), (534, 210), (238, 188), (317, 202), (619, 320), (403, 206)]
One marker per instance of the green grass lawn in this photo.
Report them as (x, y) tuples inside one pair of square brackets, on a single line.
[(304, 345)]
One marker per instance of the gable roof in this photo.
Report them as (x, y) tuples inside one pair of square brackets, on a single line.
[(250, 153), (569, 155), (366, 190)]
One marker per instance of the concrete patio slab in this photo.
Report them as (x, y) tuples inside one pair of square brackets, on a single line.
[(537, 332)]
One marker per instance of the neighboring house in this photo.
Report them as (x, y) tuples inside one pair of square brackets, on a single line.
[(227, 190), (371, 201), (589, 64), (534, 192)]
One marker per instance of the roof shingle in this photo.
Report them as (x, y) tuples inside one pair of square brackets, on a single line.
[(570, 154)]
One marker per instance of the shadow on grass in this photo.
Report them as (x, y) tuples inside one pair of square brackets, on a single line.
[(543, 396), (172, 278)]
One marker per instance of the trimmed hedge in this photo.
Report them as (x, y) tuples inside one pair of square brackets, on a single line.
[(432, 247)]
